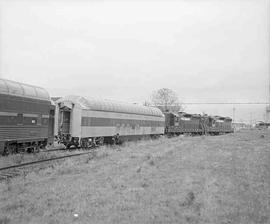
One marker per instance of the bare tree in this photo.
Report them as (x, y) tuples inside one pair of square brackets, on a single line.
[(166, 99)]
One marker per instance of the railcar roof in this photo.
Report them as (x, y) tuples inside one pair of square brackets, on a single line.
[(112, 106), (24, 90)]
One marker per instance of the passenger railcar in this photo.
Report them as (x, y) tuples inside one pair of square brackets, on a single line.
[(26, 113), (89, 122)]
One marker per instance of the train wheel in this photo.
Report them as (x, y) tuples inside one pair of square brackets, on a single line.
[(82, 144), (5, 152), (36, 149), (10, 149), (99, 141)]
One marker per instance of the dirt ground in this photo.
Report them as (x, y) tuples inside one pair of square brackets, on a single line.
[(205, 179)]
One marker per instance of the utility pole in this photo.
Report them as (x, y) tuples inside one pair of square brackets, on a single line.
[(233, 114), (268, 107)]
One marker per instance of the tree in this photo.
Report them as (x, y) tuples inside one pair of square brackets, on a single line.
[(146, 103), (166, 99)]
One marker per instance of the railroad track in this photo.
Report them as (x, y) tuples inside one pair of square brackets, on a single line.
[(53, 150), (16, 170)]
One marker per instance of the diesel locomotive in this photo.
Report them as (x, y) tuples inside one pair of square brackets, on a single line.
[(185, 123)]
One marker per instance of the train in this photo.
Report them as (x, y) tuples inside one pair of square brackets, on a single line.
[(30, 120)]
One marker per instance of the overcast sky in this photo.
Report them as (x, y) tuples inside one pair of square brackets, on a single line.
[(204, 50)]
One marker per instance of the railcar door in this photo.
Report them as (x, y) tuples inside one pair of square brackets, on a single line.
[(51, 126), (64, 121)]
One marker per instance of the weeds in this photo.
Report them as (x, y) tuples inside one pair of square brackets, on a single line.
[(18, 159), (199, 184), (151, 162), (89, 158), (5, 220), (189, 199), (8, 184), (101, 155)]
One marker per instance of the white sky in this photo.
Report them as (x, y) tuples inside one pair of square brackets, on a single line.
[(205, 50)]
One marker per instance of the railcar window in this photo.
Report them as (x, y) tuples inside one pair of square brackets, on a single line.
[(84, 121), (15, 88), (20, 119), (45, 121), (29, 120), (29, 90), (12, 120), (3, 87), (42, 93), (39, 119)]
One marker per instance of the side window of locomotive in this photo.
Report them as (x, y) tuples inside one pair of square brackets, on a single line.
[(20, 119)]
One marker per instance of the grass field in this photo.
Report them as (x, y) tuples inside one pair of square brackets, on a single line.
[(206, 179)]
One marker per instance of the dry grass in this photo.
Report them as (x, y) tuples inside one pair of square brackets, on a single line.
[(222, 179), (15, 159)]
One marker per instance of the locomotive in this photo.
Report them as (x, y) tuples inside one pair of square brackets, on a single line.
[(30, 120), (26, 117), (185, 123)]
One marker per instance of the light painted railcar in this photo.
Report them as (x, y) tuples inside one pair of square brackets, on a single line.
[(25, 115), (87, 122)]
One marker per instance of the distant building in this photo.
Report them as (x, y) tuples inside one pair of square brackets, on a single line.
[(240, 125), (263, 125)]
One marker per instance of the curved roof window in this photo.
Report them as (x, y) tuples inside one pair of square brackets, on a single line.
[(42, 93), (3, 87), (15, 88), (30, 91), (23, 90), (111, 106)]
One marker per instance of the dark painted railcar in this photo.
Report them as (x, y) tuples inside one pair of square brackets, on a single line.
[(182, 123), (26, 113), (262, 125), (218, 125)]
